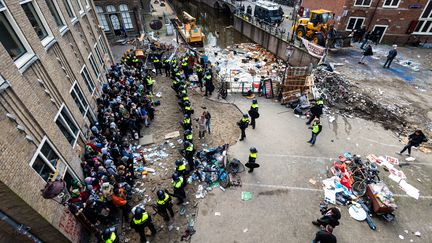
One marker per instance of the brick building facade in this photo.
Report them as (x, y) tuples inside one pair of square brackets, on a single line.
[(117, 16), (54, 59), (399, 21)]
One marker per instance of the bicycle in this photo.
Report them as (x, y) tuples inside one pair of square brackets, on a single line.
[(223, 90)]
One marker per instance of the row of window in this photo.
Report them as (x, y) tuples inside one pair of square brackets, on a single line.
[(386, 3), (114, 20), (424, 25), (12, 37)]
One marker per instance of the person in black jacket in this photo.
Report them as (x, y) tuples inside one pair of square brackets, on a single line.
[(325, 236), (367, 52), (330, 217), (316, 111), (391, 55), (243, 124), (415, 140), (253, 112)]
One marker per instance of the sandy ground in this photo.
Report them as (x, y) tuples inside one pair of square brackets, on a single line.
[(405, 86), (167, 119)]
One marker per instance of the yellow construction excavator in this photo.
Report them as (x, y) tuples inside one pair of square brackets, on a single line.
[(189, 30), (318, 27)]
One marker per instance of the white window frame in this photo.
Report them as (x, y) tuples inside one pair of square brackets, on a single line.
[(98, 54), (80, 8), (74, 89), (103, 21), (87, 6), (390, 6), (90, 83), (70, 6), (362, 5), (93, 63), (357, 18), (50, 37), (57, 9), (125, 14), (102, 44), (425, 20), (59, 115), (61, 159), (115, 10), (26, 57)]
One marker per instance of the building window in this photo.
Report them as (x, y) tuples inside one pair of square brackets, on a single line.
[(363, 3), (424, 26), (102, 44), (89, 82), (354, 23), (102, 18), (67, 125), (391, 3), (87, 4), (127, 21), (80, 8), (12, 38), (93, 64), (79, 99), (47, 160), (37, 21), (55, 12), (96, 48), (110, 8), (69, 10)]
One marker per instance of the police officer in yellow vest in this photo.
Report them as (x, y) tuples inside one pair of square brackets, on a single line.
[(135, 61), (149, 83), (180, 167), (167, 67), (187, 122), (164, 205), (187, 109), (243, 124), (140, 220), (178, 184), (251, 164), (316, 129), (200, 74), (109, 235), (188, 136), (253, 112), (157, 64), (189, 152)]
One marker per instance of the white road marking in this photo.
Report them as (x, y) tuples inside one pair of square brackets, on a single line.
[(295, 188), (384, 144)]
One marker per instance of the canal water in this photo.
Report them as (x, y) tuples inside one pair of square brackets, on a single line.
[(217, 25)]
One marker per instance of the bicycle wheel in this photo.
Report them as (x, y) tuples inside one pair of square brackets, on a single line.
[(359, 188)]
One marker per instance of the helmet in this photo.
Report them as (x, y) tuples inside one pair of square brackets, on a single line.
[(245, 115), (186, 116), (254, 101), (175, 176), (187, 131), (184, 95), (106, 233), (187, 103), (253, 149), (178, 162), (138, 212), (187, 143), (160, 194)]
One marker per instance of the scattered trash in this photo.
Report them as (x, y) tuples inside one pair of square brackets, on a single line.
[(170, 227), (312, 181), (331, 119), (217, 214), (245, 230), (246, 196), (410, 159), (172, 135), (158, 94), (417, 233), (401, 237), (406, 231)]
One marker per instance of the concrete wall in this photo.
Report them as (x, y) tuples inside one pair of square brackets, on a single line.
[(274, 44)]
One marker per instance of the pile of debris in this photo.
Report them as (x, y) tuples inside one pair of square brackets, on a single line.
[(339, 93)]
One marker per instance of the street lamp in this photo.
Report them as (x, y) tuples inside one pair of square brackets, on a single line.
[(288, 53)]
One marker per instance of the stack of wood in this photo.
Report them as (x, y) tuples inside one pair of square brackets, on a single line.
[(296, 83)]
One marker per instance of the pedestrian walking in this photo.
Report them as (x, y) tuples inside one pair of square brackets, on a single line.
[(316, 129), (243, 124), (316, 110), (367, 52), (202, 126), (178, 184), (251, 164), (365, 39), (164, 205), (415, 139), (325, 236), (391, 55), (253, 112), (208, 120), (140, 221)]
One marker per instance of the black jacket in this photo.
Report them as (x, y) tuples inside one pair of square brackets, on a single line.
[(392, 54), (316, 110), (416, 140), (323, 236)]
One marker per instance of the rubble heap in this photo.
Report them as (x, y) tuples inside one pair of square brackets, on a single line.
[(339, 93)]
